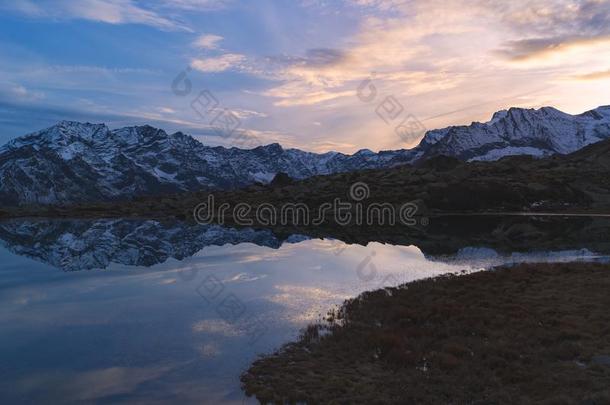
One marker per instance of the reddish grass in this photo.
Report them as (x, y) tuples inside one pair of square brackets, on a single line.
[(525, 334)]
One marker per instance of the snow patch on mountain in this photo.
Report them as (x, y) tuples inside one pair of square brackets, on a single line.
[(74, 162), (496, 154), (519, 131)]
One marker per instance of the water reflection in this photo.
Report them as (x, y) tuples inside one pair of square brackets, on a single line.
[(180, 310), (96, 244), (148, 333)]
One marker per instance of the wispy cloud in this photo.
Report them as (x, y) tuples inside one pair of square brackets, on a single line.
[(196, 5), (106, 11), (299, 94), (245, 114), (394, 48), (91, 69), (216, 326), (207, 41), (551, 27), (20, 93), (602, 75), (541, 48), (218, 63)]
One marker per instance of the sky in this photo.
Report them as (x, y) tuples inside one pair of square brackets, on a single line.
[(318, 75)]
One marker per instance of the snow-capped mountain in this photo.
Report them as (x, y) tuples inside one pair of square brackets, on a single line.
[(75, 162), (518, 131), (79, 162)]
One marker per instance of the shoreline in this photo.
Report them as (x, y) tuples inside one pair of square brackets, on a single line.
[(524, 334)]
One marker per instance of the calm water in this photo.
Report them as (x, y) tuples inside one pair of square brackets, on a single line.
[(124, 311)]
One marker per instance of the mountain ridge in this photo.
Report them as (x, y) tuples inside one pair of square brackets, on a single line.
[(73, 162), (517, 131)]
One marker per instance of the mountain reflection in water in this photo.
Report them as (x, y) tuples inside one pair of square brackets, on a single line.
[(154, 326), (95, 244)]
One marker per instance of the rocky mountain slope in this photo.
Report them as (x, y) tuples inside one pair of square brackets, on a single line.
[(560, 184), (81, 162), (518, 131), (75, 162)]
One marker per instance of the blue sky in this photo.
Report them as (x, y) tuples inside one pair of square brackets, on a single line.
[(293, 71)]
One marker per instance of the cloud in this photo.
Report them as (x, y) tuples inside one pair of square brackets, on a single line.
[(323, 57), (21, 93), (541, 48), (325, 146), (392, 47), (435, 57), (298, 94), (602, 75), (90, 69), (216, 327), (218, 63), (445, 61), (586, 17), (207, 41), (197, 5), (245, 114), (151, 13), (379, 5), (383, 5), (106, 11), (553, 27), (424, 47), (166, 110), (91, 385), (208, 350)]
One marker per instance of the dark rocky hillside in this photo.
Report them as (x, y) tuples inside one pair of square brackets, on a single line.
[(574, 183)]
